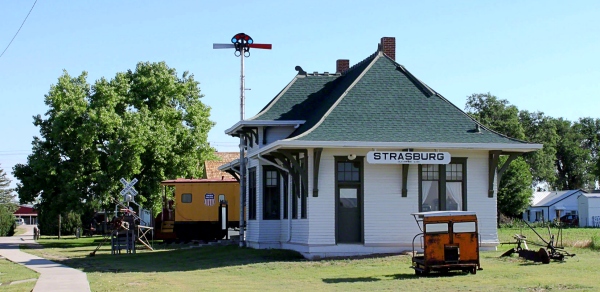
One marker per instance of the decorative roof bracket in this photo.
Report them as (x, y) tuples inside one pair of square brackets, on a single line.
[(250, 135), (291, 161), (494, 172)]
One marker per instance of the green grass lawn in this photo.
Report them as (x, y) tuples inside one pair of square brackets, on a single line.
[(229, 268), (11, 272)]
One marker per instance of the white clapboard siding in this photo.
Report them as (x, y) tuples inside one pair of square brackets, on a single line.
[(387, 219), (321, 209), (388, 225), (278, 133), (253, 227), (269, 230), (299, 231)]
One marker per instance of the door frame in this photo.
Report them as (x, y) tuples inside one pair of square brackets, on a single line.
[(361, 191)]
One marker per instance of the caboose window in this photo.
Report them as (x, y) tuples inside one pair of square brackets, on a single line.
[(443, 187), (186, 198)]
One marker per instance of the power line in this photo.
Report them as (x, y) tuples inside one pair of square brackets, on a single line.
[(19, 29)]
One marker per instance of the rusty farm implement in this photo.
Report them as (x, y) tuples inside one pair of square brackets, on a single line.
[(547, 251)]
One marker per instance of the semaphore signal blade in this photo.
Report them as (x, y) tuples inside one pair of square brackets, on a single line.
[(260, 46), (223, 46)]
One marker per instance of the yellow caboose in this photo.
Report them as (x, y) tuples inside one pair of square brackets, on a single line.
[(196, 211)]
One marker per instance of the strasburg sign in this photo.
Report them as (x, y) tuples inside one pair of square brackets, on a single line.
[(401, 157)]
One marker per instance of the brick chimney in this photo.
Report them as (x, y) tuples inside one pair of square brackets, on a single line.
[(388, 47), (342, 65)]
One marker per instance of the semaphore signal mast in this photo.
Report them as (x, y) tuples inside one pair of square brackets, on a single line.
[(242, 43)]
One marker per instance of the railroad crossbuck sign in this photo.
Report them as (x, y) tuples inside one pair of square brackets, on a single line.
[(391, 157), (128, 191)]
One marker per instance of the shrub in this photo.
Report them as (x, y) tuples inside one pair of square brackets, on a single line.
[(48, 222), (7, 222), (595, 244)]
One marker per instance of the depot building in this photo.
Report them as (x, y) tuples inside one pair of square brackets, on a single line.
[(337, 162)]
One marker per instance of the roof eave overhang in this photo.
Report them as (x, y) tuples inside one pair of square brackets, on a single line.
[(523, 148), (231, 165), (261, 123)]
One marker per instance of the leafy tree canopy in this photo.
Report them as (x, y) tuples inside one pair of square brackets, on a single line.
[(569, 159), (495, 113), (7, 195), (539, 128), (7, 206), (514, 189), (574, 160), (146, 123)]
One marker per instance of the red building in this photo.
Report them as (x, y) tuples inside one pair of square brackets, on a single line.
[(28, 214)]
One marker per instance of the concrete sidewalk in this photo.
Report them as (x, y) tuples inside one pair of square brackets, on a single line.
[(53, 276)]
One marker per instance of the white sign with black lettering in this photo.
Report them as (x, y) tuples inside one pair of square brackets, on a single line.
[(392, 157)]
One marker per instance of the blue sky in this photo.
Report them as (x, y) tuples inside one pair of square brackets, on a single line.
[(539, 55)]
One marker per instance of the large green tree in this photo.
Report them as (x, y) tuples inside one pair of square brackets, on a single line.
[(147, 123), (7, 195), (7, 205), (497, 114), (574, 162), (590, 129), (514, 191), (539, 128), (515, 187)]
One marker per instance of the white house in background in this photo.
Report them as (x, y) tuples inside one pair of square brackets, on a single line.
[(547, 206), (337, 162), (589, 210)]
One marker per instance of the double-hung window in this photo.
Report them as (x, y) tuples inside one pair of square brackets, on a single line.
[(252, 193), (443, 187), (271, 193)]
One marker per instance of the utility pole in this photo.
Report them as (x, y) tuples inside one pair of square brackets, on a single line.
[(242, 43)]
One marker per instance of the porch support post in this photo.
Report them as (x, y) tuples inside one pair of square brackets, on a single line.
[(492, 167), (316, 163), (404, 180)]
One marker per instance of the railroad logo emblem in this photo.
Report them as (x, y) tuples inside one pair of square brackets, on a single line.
[(209, 199)]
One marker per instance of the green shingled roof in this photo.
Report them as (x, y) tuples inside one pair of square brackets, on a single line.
[(376, 100)]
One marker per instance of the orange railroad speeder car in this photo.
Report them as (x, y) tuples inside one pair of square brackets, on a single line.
[(449, 241)]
